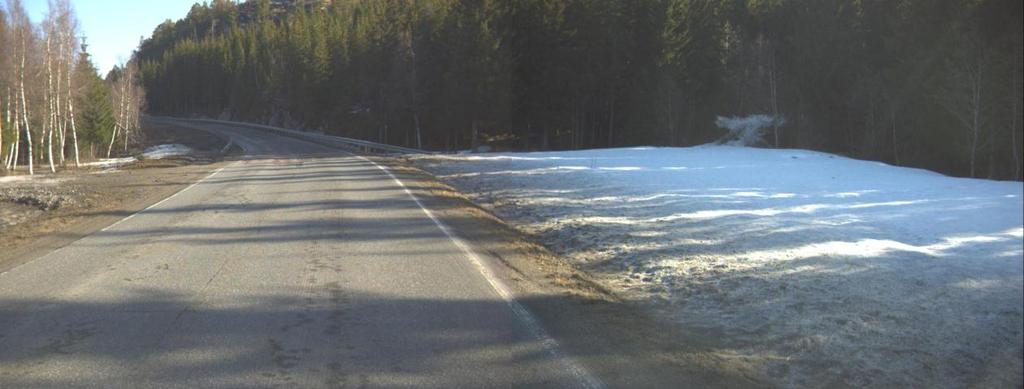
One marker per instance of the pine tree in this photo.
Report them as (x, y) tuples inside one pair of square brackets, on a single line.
[(96, 123)]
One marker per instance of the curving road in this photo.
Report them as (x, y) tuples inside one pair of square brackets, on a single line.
[(297, 266)]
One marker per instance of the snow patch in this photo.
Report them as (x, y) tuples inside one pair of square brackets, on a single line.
[(164, 151), (35, 179), (107, 163), (892, 276)]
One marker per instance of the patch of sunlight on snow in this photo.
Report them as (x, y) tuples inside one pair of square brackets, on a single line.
[(714, 214), (720, 213), (763, 195), (511, 158), (1018, 253), (528, 172), (110, 162), (869, 248), (838, 220), (886, 204), (1015, 232), (36, 179), (861, 248), (167, 150), (703, 215), (648, 234), (951, 243), (980, 284), (632, 199), (843, 195)]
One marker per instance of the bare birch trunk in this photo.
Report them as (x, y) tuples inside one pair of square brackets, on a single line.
[(24, 105), (13, 123), (71, 100), (52, 117), (2, 127), (124, 107), (74, 131), (13, 164), (112, 138), (58, 97)]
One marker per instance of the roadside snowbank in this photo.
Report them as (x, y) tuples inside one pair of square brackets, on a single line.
[(153, 152), (164, 151), (107, 163), (36, 179), (817, 269)]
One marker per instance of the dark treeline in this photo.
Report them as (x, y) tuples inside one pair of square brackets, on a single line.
[(930, 83)]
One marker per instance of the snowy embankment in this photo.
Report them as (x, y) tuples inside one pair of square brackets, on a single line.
[(165, 151), (154, 152), (107, 163), (814, 269)]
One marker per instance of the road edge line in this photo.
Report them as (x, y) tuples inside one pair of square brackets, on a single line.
[(104, 229), (527, 319)]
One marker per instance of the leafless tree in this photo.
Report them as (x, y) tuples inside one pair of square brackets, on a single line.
[(51, 117), (1015, 101), (127, 101), (4, 59), (61, 52), (964, 94), (22, 34)]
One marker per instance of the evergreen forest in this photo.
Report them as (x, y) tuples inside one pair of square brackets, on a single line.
[(924, 83)]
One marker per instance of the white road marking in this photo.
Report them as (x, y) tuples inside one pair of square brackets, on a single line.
[(146, 209), (169, 197), (531, 322)]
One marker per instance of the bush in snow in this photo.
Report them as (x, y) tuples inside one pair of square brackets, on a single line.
[(747, 131)]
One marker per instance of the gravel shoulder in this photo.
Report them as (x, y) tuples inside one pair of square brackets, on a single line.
[(624, 343), (48, 211)]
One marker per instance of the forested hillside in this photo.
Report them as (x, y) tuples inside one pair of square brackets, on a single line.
[(929, 83)]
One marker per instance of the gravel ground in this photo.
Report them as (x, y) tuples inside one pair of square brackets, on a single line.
[(72, 201)]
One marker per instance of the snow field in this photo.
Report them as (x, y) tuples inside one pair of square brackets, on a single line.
[(820, 270)]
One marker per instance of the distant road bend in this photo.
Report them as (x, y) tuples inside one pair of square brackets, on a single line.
[(298, 266)]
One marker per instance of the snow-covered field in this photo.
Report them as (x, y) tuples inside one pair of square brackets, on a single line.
[(816, 269)]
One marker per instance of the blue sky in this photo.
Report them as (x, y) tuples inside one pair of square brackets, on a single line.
[(113, 27)]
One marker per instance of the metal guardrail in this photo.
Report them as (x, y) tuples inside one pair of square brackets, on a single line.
[(327, 140)]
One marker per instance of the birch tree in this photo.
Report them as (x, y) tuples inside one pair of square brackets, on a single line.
[(51, 117), (4, 59), (22, 33), (65, 26), (127, 100)]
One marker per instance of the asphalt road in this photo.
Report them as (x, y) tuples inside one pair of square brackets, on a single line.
[(299, 266)]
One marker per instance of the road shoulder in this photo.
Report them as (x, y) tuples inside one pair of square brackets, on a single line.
[(626, 343), (91, 199)]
